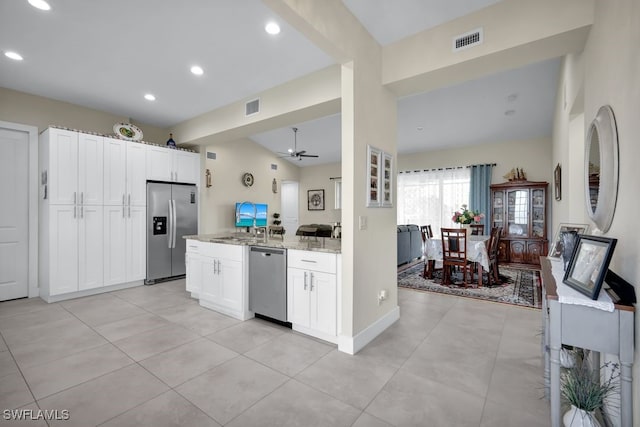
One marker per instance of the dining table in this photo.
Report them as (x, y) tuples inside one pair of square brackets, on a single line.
[(477, 251)]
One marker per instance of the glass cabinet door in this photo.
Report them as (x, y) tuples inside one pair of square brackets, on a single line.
[(537, 202), (498, 210), (518, 212)]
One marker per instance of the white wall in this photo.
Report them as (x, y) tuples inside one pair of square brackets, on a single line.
[(611, 66), (233, 159), (318, 178), (534, 156), (19, 107)]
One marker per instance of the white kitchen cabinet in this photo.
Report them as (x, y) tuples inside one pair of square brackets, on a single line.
[(167, 164), (136, 187), (217, 276), (74, 167), (312, 293), (70, 212), (75, 248), (193, 267), (90, 247), (124, 244), (125, 175), (136, 243), (187, 167), (62, 248), (90, 169), (115, 242)]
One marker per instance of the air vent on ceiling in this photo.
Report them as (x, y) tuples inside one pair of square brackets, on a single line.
[(274, 167), (467, 40), (252, 107)]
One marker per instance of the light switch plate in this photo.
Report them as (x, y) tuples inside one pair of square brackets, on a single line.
[(362, 222)]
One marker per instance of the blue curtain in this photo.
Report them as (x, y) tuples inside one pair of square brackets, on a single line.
[(480, 193)]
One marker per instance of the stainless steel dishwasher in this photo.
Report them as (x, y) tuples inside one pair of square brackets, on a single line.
[(268, 282)]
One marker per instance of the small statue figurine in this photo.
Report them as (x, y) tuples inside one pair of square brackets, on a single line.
[(171, 143)]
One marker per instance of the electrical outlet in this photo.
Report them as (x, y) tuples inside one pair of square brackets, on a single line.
[(382, 295)]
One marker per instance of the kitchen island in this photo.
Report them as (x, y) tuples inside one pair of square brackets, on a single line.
[(218, 276)]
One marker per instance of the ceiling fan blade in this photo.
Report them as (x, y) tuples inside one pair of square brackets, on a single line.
[(308, 155), (300, 153)]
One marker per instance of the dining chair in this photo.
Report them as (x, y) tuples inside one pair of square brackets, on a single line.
[(493, 274), (477, 229), (424, 231), (429, 265), (454, 254)]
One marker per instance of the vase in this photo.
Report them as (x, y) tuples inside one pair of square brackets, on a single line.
[(466, 227), (576, 417)]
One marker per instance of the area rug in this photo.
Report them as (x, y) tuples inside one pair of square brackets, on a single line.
[(519, 287)]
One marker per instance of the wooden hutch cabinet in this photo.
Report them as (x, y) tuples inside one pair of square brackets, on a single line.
[(520, 208)]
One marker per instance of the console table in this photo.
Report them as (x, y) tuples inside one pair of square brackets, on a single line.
[(585, 327)]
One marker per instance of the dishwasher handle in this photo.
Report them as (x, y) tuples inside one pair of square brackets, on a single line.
[(267, 251)]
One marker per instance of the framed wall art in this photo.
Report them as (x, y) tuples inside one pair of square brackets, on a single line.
[(315, 200), (557, 182), (379, 178), (373, 176), (386, 171), (556, 248), (589, 264)]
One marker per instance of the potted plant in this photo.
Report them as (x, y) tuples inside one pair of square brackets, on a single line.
[(582, 388)]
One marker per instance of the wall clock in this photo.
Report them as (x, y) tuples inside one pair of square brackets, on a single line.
[(247, 179)]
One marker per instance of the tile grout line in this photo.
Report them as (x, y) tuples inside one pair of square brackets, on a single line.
[(405, 361)]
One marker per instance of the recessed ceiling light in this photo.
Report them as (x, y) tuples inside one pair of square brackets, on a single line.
[(420, 128), (512, 97), (149, 97), (509, 112), (13, 55), (272, 28), (198, 71), (40, 4)]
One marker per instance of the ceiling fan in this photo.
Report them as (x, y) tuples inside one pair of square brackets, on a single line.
[(294, 152)]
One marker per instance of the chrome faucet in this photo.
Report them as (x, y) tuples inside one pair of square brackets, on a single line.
[(254, 217)]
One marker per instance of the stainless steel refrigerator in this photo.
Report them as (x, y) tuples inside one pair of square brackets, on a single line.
[(172, 212)]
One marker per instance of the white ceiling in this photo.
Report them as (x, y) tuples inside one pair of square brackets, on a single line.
[(466, 114), (391, 20), (107, 54)]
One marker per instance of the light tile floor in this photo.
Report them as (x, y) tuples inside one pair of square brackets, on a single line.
[(151, 356)]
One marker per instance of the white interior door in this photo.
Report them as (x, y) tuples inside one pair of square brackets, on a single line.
[(289, 206), (14, 214)]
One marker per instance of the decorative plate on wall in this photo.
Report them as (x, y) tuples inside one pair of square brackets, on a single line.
[(127, 131), (247, 179)]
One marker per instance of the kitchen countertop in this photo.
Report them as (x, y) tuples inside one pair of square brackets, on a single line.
[(320, 244)]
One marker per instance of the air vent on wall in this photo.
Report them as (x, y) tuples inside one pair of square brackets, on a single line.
[(467, 40), (252, 107)]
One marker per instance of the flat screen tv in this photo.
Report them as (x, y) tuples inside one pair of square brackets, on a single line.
[(244, 214)]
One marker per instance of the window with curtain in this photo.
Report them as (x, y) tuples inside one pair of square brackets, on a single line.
[(431, 196)]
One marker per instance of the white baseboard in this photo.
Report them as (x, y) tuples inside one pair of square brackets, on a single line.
[(94, 291), (352, 345)]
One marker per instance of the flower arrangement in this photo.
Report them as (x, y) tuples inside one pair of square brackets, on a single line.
[(467, 216)]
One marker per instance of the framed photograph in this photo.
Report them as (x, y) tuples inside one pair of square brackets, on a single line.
[(589, 264), (557, 182), (555, 251), (315, 200), (373, 176), (386, 170)]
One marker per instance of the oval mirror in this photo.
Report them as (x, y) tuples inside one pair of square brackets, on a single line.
[(601, 168)]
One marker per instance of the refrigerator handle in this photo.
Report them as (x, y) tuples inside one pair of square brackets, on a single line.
[(175, 223), (170, 225)]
